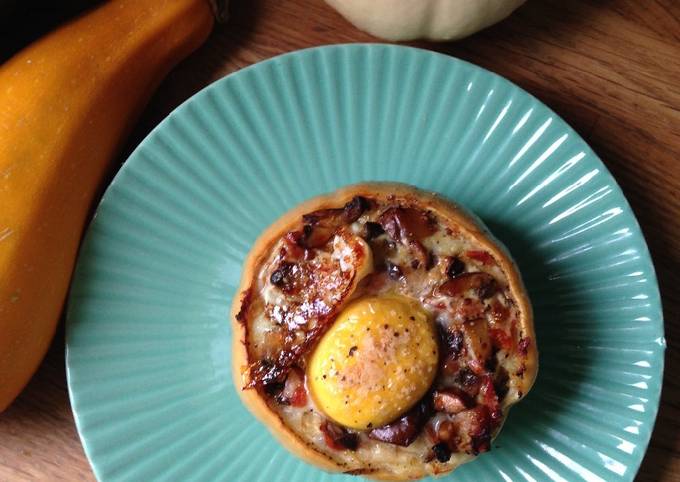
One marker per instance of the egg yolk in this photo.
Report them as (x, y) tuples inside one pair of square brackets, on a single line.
[(376, 361)]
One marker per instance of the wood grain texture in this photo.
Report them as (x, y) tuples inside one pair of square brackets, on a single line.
[(611, 68)]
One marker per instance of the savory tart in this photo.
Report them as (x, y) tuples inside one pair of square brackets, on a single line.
[(381, 330)]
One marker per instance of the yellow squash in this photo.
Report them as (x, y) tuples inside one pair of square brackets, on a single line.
[(66, 105)]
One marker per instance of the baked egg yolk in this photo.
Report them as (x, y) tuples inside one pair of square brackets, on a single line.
[(376, 361)]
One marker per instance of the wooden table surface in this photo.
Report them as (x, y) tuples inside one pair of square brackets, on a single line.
[(611, 68)]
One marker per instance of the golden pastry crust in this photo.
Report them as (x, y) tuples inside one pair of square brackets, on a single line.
[(469, 225)]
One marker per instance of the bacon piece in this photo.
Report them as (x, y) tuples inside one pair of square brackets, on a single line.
[(499, 313), (469, 310), (488, 290), (405, 224), (482, 256), (321, 225), (469, 430), (337, 437), (477, 366), (293, 245), (299, 398), (405, 430), (483, 283), (452, 341), (468, 382), (452, 344), (355, 208), (500, 339), (477, 344), (488, 394), (409, 227), (474, 429), (476, 424), (349, 213), (315, 289), (451, 401)]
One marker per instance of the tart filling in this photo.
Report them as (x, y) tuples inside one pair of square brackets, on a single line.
[(386, 331)]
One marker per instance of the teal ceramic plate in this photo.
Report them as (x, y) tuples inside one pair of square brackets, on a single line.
[(148, 332)]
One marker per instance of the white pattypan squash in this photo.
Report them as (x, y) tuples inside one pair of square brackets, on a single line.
[(430, 19)]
